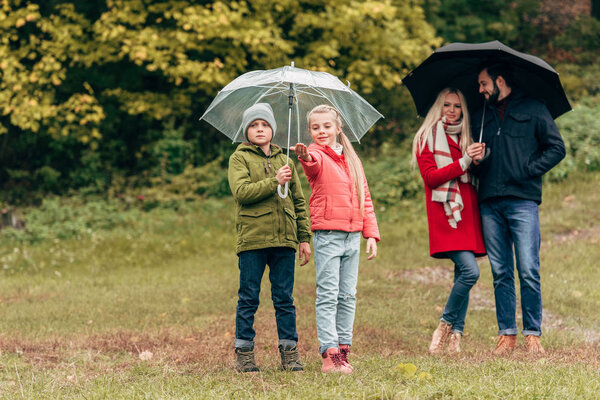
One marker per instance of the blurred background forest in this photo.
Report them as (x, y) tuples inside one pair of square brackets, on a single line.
[(103, 97)]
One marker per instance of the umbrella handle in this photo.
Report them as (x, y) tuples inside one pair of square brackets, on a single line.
[(283, 194)]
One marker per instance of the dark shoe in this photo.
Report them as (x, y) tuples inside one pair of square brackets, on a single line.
[(245, 360), (506, 344), (290, 360), (533, 345)]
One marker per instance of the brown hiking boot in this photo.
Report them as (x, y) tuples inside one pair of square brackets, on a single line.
[(440, 336), (290, 360), (533, 345), (245, 360), (506, 344), (454, 342)]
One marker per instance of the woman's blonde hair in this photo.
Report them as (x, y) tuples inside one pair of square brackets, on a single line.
[(349, 153), (433, 116)]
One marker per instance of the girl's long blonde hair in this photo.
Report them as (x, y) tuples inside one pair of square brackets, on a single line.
[(433, 116), (349, 153)]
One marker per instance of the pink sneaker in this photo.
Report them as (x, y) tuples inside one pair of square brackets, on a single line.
[(344, 353), (332, 362)]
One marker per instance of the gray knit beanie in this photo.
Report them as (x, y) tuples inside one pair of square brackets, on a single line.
[(258, 111)]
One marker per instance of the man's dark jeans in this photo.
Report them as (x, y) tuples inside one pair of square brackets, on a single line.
[(509, 221), (252, 263)]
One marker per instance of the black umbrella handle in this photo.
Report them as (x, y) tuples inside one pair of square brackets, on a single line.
[(482, 120)]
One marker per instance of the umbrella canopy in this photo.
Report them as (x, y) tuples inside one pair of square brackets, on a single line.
[(275, 86), (456, 65)]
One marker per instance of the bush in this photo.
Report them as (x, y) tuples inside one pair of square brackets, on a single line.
[(390, 176), (194, 183), (71, 217), (580, 130)]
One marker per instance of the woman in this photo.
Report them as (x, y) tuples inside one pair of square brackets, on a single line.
[(439, 148)]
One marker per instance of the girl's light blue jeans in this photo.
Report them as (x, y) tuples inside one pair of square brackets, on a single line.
[(336, 259)]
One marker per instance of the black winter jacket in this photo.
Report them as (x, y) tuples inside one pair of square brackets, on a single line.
[(523, 147)]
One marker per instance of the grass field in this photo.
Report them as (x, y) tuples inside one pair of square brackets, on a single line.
[(146, 310)]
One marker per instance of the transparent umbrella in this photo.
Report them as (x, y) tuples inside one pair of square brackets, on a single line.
[(292, 93)]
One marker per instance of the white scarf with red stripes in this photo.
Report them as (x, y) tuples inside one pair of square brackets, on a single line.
[(447, 193)]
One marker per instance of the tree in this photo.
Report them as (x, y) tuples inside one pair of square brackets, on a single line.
[(90, 89)]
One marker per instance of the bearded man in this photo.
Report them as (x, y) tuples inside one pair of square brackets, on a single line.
[(520, 144)]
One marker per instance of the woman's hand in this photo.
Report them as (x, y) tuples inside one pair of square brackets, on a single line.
[(284, 174), (476, 151), (302, 152), (371, 248)]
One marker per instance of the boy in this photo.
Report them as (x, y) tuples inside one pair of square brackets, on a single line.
[(269, 229)]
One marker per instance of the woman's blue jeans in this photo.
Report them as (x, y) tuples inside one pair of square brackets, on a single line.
[(466, 273), (508, 222), (252, 263)]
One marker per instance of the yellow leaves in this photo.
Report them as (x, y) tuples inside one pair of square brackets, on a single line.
[(33, 78), (140, 54), (96, 134), (425, 376), (20, 22), (409, 370)]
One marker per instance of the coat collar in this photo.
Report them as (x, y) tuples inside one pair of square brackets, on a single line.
[(452, 143), (329, 151), (247, 146)]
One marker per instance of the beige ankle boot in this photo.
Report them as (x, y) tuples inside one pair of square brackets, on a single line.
[(440, 336), (454, 342)]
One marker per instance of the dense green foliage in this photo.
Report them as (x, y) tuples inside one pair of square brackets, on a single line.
[(106, 94), (90, 91)]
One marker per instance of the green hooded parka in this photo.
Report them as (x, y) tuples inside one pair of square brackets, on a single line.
[(263, 219)]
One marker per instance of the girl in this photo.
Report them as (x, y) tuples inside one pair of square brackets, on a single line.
[(340, 209), (439, 148)]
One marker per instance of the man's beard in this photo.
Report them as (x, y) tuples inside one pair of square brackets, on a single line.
[(493, 98)]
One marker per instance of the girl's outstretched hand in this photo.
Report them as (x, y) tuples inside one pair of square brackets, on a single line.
[(371, 248), (304, 251), (302, 151)]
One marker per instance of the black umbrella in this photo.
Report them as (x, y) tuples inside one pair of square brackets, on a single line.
[(456, 65)]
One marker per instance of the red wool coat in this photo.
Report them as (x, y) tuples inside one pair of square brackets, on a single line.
[(334, 203), (442, 237)]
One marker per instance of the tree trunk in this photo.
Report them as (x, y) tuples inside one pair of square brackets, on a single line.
[(596, 9)]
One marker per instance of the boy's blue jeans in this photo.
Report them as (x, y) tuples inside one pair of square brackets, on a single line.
[(509, 221), (252, 263), (336, 259), (466, 273)]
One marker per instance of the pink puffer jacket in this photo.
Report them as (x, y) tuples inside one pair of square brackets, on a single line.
[(334, 201)]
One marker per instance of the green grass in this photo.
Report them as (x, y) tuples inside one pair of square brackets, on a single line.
[(77, 313)]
